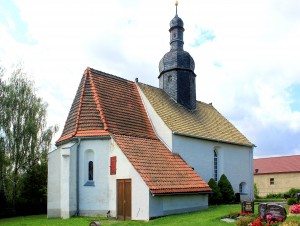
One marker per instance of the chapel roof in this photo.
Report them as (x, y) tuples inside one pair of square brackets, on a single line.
[(281, 164), (204, 122), (106, 105)]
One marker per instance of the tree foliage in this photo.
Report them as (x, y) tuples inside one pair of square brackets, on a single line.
[(226, 189), (216, 197), (25, 138)]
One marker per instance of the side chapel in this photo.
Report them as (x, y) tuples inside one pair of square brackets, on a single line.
[(137, 152)]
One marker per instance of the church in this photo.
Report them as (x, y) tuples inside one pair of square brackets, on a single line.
[(135, 152)]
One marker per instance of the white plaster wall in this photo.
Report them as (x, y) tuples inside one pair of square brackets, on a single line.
[(139, 190), (174, 204), (53, 191), (160, 128), (61, 198), (93, 200), (236, 162)]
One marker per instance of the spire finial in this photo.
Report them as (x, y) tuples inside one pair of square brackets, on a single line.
[(176, 4)]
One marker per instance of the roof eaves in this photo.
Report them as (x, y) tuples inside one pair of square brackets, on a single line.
[(211, 139)]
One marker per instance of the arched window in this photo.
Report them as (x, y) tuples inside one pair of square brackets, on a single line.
[(243, 187), (215, 165), (91, 170)]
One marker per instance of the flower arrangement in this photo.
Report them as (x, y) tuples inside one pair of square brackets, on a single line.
[(295, 209), (270, 220)]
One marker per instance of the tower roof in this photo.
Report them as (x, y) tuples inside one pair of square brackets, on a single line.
[(176, 22), (176, 58)]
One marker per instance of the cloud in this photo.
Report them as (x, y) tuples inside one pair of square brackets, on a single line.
[(246, 55)]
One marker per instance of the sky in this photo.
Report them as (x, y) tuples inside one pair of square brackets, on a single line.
[(246, 53)]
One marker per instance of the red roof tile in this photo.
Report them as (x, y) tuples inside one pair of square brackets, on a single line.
[(108, 105), (283, 164), (162, 170)]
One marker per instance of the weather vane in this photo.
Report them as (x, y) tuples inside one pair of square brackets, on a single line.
[(176, 4)]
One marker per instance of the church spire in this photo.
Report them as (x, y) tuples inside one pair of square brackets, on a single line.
[(176, 68)]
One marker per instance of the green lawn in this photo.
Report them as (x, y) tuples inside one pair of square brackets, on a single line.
[(210, 217)]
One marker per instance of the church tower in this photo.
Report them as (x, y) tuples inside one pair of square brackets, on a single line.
[(176, 68)]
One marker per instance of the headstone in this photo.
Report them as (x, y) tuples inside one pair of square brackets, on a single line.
[(298, 196), (95, 223), (275, 212), (262, 210), (247, 207)]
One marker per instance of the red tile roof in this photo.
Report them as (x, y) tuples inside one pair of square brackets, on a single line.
[(283, 164), (106, 105), (162, 170)]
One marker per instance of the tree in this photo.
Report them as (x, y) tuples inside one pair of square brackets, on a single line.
[(24, 136), (226, 189), (216, 197)]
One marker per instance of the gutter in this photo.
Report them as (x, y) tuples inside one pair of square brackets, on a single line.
[(211, 139)]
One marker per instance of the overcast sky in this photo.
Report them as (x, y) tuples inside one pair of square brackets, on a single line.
[(247, 55)]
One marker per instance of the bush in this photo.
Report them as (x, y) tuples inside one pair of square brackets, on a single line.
[(293, 191), (275, 196), (256, 191), (226, 190), (216, 197), (292, 201)]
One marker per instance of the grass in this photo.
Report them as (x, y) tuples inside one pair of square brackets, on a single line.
[(210, 217)]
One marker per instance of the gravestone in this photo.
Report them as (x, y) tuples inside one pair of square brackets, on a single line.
[(275, 212), (247, 207), (262, 210)]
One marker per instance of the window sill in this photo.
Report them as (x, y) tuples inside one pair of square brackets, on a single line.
[(89, 183)]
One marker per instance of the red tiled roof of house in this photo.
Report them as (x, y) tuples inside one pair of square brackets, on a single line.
[(106, 105), (163, 171), (282, 164)]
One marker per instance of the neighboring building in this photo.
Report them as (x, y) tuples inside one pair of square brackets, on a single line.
[(141, 152), (277, 174)]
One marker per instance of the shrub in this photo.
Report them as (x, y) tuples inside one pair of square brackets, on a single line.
[(293, 191), (216, 197), (292, 201), (226, 189), (274, 196), (256, 191)]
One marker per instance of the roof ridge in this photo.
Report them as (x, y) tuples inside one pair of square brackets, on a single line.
[(109, 75), (80, 102), (199, 101), (282, 156), (97, 100)]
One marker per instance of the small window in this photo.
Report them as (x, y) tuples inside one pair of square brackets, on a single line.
[(215, 165), (113, 165), (91, 170), (272, 181), (241, 188), (170, 78)]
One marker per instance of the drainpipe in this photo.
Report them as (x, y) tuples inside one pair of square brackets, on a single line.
[(77, 176)]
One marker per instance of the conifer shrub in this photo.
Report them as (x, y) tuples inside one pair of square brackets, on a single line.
[(291, 201), (216, 197), (226, 190)]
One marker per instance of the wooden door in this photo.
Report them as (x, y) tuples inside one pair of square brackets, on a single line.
[(124, 199)]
